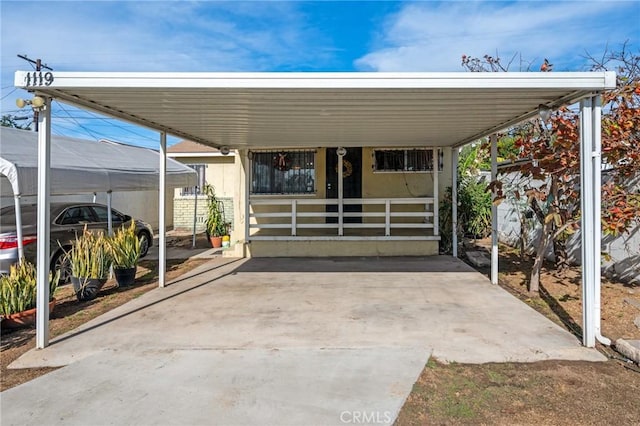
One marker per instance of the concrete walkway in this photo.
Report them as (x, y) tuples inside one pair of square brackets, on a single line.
[(281, 341)]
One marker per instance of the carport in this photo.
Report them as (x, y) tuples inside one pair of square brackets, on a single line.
[(250, 110), (81, 166)]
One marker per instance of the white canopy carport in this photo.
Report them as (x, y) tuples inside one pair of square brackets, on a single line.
[(81, 166), (248, 110)]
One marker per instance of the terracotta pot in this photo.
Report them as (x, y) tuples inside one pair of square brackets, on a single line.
[(216, 242), (125, 276), (87, 288), (24, 318)]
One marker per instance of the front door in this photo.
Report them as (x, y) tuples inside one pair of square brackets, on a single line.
[(352, 181)]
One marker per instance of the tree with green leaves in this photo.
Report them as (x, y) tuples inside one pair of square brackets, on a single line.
[(8, 120)]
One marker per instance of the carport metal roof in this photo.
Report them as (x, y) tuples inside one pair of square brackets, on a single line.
[(247, 110), (244, 110)]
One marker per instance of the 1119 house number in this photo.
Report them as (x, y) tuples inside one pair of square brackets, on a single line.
[(38, 78)]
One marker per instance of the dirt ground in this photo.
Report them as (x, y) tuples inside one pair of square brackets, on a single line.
[(549, 392), (540, 393), (560, 296)]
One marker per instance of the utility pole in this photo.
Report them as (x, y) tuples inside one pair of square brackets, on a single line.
[(39, 65)]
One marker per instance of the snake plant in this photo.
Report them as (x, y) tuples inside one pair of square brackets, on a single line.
[(124, 247), (18, 289), (89, 255)]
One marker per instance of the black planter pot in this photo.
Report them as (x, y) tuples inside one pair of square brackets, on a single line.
[(87, 288), (125, 276)]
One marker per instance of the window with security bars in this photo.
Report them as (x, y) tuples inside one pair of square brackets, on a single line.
[(283, 172), (405, 160), (193, 190)]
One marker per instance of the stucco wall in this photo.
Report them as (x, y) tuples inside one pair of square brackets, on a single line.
[(622, 262), (341, 248)]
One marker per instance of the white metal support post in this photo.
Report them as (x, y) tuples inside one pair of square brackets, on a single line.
[(19, 235), (247, 198), (587, 219), (591, 229), (109, 215), (387, 218), (109, 225), (494, 211), (454, 201), (195, 215), (436, 196), (294, 217), (596, 122), (340, 195), (162, 243), (42, 262)]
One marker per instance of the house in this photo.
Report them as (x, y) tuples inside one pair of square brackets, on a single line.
[(213, 168), (344, 201), (388, 197)]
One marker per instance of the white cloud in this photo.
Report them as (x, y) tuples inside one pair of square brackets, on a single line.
[(158, 36), (154, 36), (433, 36)]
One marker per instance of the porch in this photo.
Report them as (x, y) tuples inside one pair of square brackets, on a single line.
[(330, 227), (344, 201)]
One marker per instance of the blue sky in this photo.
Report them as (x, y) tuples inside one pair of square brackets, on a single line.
[(295, 36)]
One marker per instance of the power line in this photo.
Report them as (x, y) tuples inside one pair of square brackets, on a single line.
[(38, 63), (38, 67), (93, 133), (122, 127), (8, 94), (108, 122), (76, 121)]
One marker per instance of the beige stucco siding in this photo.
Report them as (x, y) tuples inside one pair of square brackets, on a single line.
[(221, 172)]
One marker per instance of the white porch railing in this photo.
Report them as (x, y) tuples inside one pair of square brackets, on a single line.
[(381, 218)]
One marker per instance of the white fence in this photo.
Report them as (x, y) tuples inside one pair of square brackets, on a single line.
[(382, 214)]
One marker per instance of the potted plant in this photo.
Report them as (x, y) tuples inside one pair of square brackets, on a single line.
[(90, 261), (215, 224), (124, 249), (18, 295)]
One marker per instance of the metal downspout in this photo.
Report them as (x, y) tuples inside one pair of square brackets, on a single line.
[(597, 209)]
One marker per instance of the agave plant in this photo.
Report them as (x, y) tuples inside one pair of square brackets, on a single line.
[(89, 255), (18, 289), (124, 247)]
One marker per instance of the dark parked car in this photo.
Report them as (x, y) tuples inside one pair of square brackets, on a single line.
[(67, 220)]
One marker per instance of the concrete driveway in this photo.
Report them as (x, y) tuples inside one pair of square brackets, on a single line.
[(281, 341)]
